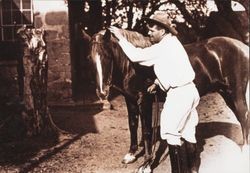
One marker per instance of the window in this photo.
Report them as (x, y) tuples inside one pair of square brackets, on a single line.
[(14, 14)]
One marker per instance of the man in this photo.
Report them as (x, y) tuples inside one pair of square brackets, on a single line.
[(175, 76)]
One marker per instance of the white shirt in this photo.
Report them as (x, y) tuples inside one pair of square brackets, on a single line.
[(169, 58)]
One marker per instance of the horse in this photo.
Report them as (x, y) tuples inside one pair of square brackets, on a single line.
[(221, 65), (120, 74)]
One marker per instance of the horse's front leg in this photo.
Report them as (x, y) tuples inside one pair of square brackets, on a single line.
[(133, 114), (145, 109)]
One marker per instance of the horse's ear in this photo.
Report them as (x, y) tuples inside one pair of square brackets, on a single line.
[(107, 35), (85, 35)]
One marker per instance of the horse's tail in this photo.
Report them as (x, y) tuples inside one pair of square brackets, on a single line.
[(247, 95), (248, 111)]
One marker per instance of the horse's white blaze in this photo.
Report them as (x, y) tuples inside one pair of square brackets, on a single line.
[(99, 71)]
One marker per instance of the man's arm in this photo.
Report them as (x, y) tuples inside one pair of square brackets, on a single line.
[(133, 53), (158, 83)]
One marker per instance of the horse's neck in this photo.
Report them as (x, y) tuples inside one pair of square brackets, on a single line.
[(122, 67)]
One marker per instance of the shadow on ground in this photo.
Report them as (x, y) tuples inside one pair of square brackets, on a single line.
[(22, 154), (204, 131)]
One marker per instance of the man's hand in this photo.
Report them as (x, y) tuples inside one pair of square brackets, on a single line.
[(116, 32), (152, 89)]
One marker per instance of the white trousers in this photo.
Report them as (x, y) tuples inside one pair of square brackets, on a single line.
[(179, 116)]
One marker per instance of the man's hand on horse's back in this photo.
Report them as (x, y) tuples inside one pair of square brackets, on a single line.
[(116, 32)]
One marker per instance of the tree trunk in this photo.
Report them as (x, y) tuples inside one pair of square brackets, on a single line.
[(35, 113), (188, 17), (245, 3), (108, 17), (95, 16), (130, 15), (75, 23), (238, 27)]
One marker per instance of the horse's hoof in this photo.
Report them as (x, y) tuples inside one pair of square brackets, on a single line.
[(144, 169), (128, 158)]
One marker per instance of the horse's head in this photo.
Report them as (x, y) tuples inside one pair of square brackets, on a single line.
[(110, 62), (103, 63)]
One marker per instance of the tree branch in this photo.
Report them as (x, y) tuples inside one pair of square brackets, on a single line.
[(155, 7), (187, 16)]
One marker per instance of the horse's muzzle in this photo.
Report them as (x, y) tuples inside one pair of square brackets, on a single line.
[(102, 95)]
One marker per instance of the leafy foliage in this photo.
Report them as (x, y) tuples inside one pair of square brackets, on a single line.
[(189, 15)]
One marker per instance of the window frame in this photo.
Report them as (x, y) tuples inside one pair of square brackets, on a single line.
[(8, 30)]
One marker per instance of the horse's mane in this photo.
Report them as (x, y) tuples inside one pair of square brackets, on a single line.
[(137, 39), (124, 65), (111, 48)]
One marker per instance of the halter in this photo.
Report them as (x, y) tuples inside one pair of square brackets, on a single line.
[(109, 83)]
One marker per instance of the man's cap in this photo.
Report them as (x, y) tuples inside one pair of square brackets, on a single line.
[(163, 21)]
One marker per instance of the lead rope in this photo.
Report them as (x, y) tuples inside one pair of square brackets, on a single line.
[(146, 166), (155, 124), (155, 127)]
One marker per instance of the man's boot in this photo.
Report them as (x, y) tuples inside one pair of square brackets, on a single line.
[(193, 161), (176, 159)]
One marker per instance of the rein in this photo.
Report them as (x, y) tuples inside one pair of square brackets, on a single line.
[(155, 123), (148, 162)]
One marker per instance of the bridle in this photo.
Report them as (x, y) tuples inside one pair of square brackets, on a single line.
[(109, 81)]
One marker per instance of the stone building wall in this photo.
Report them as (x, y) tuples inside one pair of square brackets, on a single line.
[(53, 17), (8, 82)]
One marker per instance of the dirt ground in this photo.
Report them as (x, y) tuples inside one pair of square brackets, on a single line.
[(99, 139)]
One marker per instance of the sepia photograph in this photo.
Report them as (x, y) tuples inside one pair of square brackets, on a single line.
[(124, 86)]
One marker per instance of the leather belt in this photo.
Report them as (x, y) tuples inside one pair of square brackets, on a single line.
[(181, 85)]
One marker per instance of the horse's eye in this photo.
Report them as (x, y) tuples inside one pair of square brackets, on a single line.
[(88, 57)]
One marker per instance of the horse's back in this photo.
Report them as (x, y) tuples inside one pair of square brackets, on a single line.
[(234, 56), (219, 43), (219, 60), (231, 42), (227, 51)]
